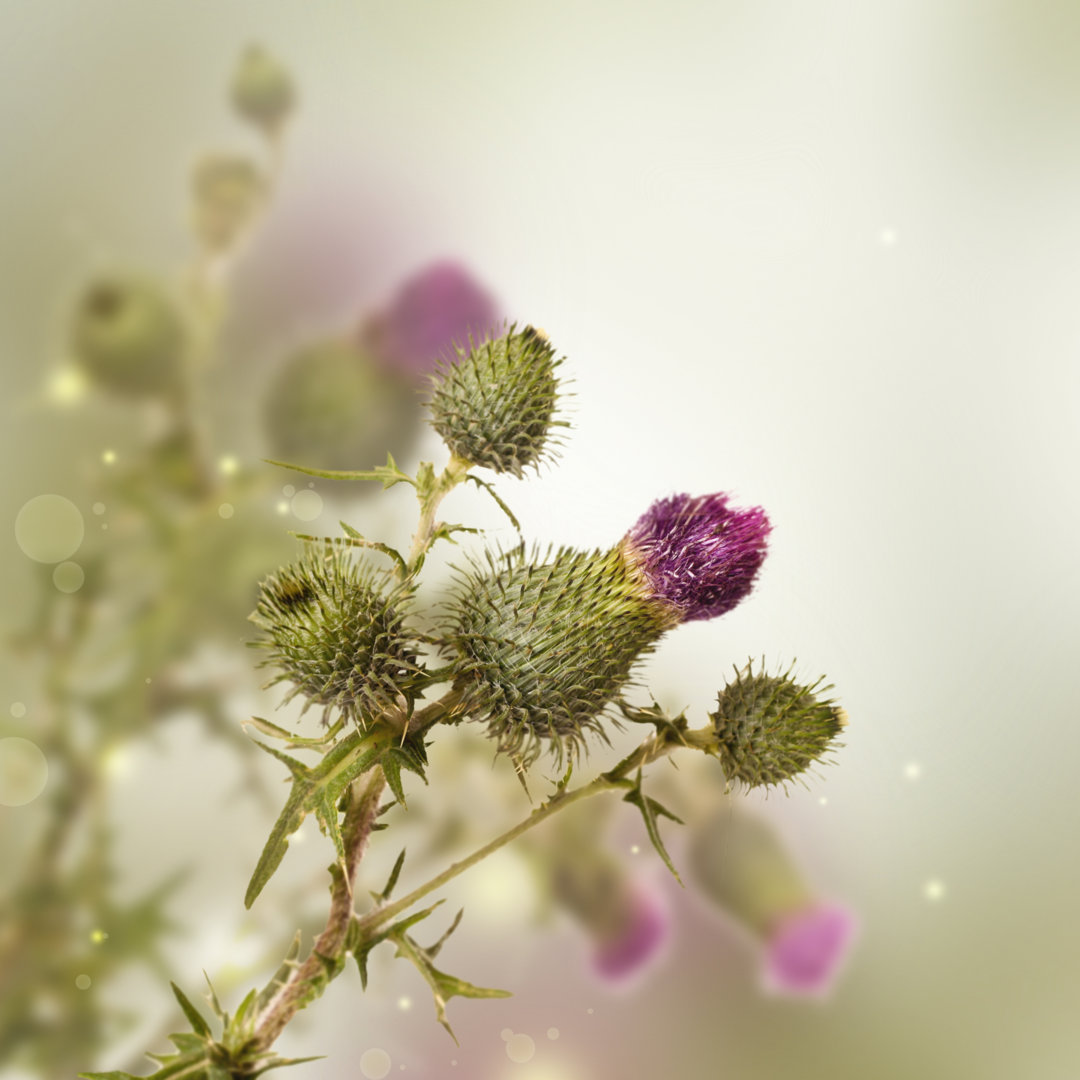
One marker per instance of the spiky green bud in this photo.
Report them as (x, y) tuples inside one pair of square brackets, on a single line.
[(335, 629), (128, 336), (769, 728), (543, 647), (331, 407), (495, 406), (227, 190), (262, 90)]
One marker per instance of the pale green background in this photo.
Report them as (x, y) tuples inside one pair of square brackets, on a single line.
[(823, 255)]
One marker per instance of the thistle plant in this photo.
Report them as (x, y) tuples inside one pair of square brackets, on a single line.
[(540, 649)]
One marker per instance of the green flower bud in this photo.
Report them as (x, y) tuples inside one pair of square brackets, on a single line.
[(262, 90), (331, 407), (495, 405), (226, 191), (769, 729), (542, 648), (335, 629), (128, 336)]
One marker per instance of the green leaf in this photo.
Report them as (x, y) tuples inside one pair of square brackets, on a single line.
[(361, 946), (490, 489), (388, 475), (409, 754), (282, 974), (198, 1024), (382, 897), (354, 539), (425, 481), (650, 809)]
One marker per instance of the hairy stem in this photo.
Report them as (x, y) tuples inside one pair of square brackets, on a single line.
[(455, 472)]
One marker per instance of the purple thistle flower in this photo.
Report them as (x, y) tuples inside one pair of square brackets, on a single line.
[(806, 949), (435, 308), (634, 938), (698, 553)]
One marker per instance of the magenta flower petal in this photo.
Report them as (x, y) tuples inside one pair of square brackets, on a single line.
[(698, 553), (640, 934), (440, 306), (807, 948)]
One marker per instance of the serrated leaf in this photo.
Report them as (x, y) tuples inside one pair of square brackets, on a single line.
[(388, 475), (425, 480), (280, 1063), (360, 946), (354, 539), (490, 489), (650, 810), (281, 975), (195, 1019), (382, 897)]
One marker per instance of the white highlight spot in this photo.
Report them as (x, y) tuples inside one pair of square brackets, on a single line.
[(98, 508), (635, 849), (307, 505), (404, 1003), (288, 491), (24, 771), (887, 237), (228, 465), (912, 770), (82, 982), (934, 890), (375, 1064), (282, 507), (226, 510), (553, 1033), (18, 710), (108, 457), (66, 387), (68, 577), (520, 1048), (823, 801), (49, 528)]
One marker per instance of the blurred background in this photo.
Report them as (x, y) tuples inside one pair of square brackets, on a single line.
[(821, 256)]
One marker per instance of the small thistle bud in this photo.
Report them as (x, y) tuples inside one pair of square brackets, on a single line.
[(128, 336), (769, 728), (331, 407), (698, 553), (336, 631), (742, 865), (495, 406), (432, 310), (226, 192), (262, 90), (542, 648)]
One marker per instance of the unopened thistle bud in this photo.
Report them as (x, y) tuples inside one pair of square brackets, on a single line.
[(226, 192), (331, 407), (433, 309), (128, 336), (262, 90), (769, 728), (335, 629), (742, 865), (495, 406)]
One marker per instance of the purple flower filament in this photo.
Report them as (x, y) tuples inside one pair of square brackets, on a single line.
[(698, 553)]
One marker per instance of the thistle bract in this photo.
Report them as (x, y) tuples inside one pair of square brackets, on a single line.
[(543, 647), (262, 90), (495, 406), (335, 629), (331, 407), (128, 336), (699, 553), (769, 728)]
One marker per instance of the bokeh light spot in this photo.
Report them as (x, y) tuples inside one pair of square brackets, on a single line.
[(24, 771), (375, 1064), (49, 528), (934, 890), (98, 508), (68, 577), (226, 511), (18, 710), (307, 505), (553, 1033), (912, 770), (228, 465), (66, 387), (288, 491), (520, 1048), (108, 457), (82, 982)]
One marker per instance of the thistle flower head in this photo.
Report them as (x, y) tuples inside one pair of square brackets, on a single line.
[(433, 310), (335, 629), (638, 929), (769, 728), (495, 407), (262, 90), (542, 647), (806, 949), (127, 335), (698, 553), (331, 407)]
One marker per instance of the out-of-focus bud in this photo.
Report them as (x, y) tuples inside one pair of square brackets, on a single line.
[(495, 407), (128, 336), (331, 407), (336, 630), (698, 553), (769, 728), (262, 90), (434, 310), (227, 190), (741, 865), (543, 647)]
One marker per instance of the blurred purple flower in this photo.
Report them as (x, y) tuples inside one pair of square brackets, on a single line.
[(634, 938), (807, 948), (435, 308), (698, 553)]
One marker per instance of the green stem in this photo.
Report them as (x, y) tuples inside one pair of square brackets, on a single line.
[(457, 469)]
